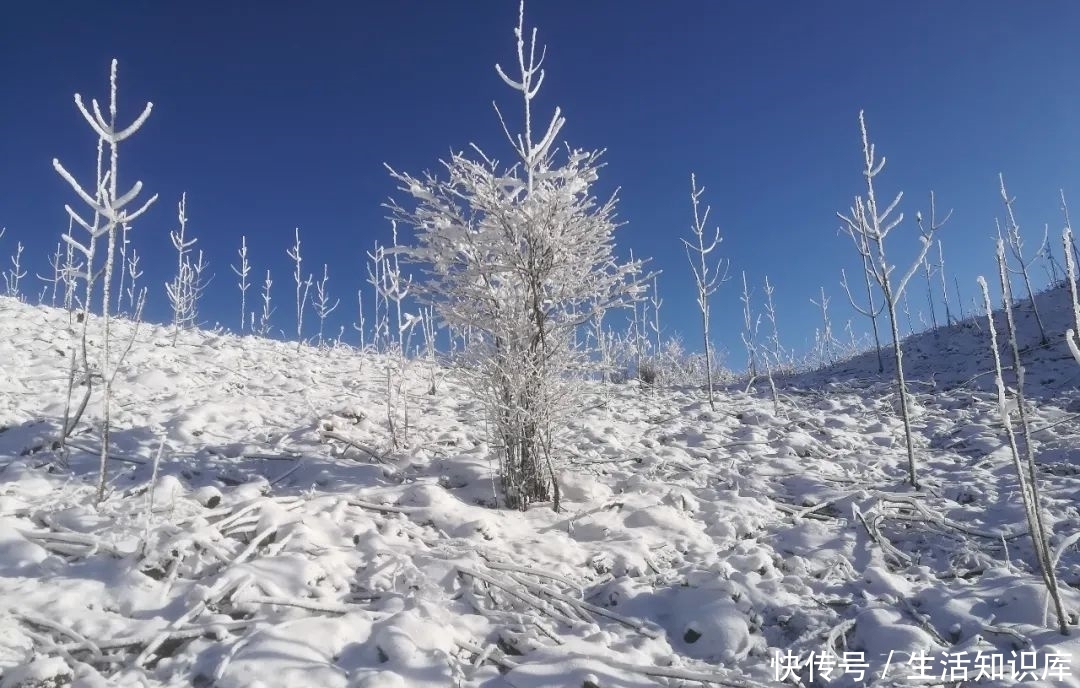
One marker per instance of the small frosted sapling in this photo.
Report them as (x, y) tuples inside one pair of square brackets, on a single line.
[(868, 226)]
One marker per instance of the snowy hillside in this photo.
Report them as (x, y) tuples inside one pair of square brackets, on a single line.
[(289, 544)]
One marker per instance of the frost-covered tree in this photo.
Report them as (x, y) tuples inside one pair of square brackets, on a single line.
[(110, 210), (868, 226), (521, 256), (706, 278)]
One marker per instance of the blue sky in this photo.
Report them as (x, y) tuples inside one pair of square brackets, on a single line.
[(273, 115)]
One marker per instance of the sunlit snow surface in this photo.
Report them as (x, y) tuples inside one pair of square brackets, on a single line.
[(693, 544)]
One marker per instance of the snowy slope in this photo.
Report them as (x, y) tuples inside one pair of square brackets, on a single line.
[(694, 545)]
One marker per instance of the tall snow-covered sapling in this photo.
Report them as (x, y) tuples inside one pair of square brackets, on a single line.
[(15, 273), (58, 272), (134, 273), (868, 227), (928, 268), (180, 290), (242, 271), (825, 342), (1026, 469), (707, 278), (321, 301), (944, 288), (380, 335), (302, 288), (1070, 277), (124, 243), (655, 301), (264, 318), (359, 324), (749, 333), (110, 211), (520, 256), (770, 315)]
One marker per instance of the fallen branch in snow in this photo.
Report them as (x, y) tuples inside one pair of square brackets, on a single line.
[(41, 622), (220, 591), (111, 457), (292, 469), (521, 596), (235, 516), (513, 568), (70, 543), (182, 633), (871, 525), (923, 620), (635, 624), (1019, 637), (331, 435), (385, 508), (50, 646), (499, 658), (309, 605), (836, 640), (922, 514), (802, 512)]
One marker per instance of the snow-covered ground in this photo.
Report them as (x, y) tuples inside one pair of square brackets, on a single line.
[(694, 545)]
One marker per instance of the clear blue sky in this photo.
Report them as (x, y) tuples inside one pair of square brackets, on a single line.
[(273, 115)]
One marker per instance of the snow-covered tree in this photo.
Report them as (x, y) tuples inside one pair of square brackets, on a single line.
[(522, 256)]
